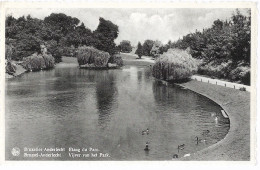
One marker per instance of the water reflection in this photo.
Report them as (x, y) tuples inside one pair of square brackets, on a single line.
[(106, 94)]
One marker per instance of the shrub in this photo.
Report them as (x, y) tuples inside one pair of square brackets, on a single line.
[(242, 89), (226, 70), (90, 55), (10, 68), (246, 78), (38, 62), (175, 65), (116, 59), (54, 49), (216, 70), (49, 60)]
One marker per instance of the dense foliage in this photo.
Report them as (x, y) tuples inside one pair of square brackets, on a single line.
[(147, 46), (175, 65), (91, 57), (37, 62), (60, 33), (10, 68), (125, 46), (156, 49), (104, 36), (224, 48), (116, 59)]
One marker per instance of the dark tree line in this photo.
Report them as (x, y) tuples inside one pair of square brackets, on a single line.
[(224, 49), (60, 33), (225, 40)]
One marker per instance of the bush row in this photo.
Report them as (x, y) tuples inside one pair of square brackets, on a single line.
[(227, 70), (37, 62), (91, 57)]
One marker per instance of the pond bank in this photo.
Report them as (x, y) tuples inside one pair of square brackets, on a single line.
[(19, 70), (236, 145)]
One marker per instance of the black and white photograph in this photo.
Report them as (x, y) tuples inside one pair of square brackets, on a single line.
[(129, 83)]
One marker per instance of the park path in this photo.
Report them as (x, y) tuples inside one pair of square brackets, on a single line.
[(220, 82), (195, 77)]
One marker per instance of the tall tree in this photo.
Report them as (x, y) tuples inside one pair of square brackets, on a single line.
[(105, 34), (147, 46), (139, 50)]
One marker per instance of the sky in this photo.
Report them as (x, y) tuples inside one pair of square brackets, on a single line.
[(141, 24)]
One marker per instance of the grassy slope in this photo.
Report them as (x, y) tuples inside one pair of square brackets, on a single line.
[(131, 59)]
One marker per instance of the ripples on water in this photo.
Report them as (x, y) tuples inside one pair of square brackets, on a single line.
[(108, 109)]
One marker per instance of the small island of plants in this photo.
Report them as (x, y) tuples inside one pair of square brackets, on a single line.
[(91, 58)]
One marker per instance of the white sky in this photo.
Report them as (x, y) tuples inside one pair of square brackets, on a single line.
[(140, 24)]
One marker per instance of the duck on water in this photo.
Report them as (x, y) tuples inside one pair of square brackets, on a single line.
[(145, 131)]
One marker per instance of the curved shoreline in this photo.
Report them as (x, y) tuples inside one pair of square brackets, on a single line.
[(236, 144)]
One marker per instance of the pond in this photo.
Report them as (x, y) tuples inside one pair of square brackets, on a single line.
[(105, 112)]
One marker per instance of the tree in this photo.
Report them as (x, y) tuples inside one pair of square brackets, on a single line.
[(59, 33), (60, 24), (139, 50), (157, 48), (125, 46), (105, 34), (147, 46)]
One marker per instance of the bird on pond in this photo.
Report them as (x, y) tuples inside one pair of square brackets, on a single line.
[(216, 119), (186, 155), (200, 140), (175, 156), (205, 132), (180, 147), (145, 131), (147, 146), (213, 114)]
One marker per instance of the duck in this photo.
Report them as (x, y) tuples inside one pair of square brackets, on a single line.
[(205, 132), (200, 140), (213, 114), (147, 146), (186, 155), (180, 147), (216, 119), (145, 131), (175, 156)]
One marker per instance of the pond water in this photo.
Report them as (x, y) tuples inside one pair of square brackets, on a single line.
[(106, 110)]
